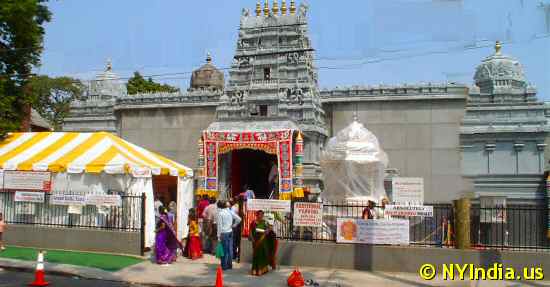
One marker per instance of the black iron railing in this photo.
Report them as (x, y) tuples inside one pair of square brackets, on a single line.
[(127, 217), (511, 228), (423, 230), (508, 228)]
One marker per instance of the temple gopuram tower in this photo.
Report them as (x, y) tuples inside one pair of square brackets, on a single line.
[(272, 87)]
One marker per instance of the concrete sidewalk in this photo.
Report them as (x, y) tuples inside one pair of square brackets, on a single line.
[(187, 273)]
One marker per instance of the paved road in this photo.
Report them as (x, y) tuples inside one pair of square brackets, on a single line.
[(16, 279)]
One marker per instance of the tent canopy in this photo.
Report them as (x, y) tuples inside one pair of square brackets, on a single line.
[(83, 152)]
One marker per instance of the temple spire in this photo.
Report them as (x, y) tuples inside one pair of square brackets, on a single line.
[(283, 8), (266, 8), (208, 58), (292, 7), (258, 8), (498, 46), (275, 7)]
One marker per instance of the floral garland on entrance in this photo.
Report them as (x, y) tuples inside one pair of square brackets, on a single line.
[(272, 142)]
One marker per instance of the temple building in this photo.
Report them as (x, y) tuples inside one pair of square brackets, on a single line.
[(503, 132), (484, 140)]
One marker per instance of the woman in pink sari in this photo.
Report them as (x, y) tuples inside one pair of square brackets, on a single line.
[(166, 242)]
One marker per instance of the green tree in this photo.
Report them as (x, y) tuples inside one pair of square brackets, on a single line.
[(137, 84), (53, 97), (21, 38)]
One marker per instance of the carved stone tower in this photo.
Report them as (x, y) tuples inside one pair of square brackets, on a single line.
[(273, 77)]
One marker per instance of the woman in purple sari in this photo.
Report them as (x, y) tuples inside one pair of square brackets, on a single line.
[(166, 242)]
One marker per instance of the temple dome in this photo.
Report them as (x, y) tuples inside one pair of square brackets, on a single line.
[(498, 71), (107, 83), (207, 77)]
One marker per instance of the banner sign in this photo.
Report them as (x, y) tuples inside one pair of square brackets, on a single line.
[(103, 199), (408, 190), (308, 214), (74, 209), (493, 209), (273, 205), (409, 210), (67, 199), (377, 231), (29, 196), (27, 180)]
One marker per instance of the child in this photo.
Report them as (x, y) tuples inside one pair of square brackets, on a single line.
[(194, 248), (2, 227)]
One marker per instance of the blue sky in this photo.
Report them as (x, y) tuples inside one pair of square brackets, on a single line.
[(357, 41)]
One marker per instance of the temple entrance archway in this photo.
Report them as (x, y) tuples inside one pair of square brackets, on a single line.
[(251, 167)]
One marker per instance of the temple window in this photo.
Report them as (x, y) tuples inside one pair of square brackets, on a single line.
[(263, 110), (267, 74)]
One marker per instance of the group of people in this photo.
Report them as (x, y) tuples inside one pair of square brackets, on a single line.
[(212, 223), (373, 212)]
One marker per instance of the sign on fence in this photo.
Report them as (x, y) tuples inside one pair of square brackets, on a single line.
[(493, 209), (74, 209), (29, 196), (272, 205), (103, 199), (308, 214), (377, 231), (408, 190), (409, 210), (27, 180), (67, 199)]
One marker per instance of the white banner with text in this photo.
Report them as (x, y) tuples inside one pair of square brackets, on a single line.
[(373, 231)]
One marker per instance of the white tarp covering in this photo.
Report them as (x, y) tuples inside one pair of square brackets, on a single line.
[(353, 165), (185, 202)]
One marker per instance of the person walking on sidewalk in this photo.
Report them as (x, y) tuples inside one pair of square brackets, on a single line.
[(210, 215), (227, 220), (264, 245), (3, 226)]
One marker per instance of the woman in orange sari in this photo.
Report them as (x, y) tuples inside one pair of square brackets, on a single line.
[(194, 249), (264, 244)]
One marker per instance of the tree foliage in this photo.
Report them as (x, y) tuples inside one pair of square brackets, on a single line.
[(53, 97), (21, 38), (137, 84)]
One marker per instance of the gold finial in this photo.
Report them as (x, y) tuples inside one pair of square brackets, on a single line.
[(292, 7), (498, 46), (258, 8), (208, 58), (266, 8), (275, 7), (109, 66), (299, 137), (283, 8)]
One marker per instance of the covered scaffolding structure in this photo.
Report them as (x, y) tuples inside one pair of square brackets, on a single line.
[(95, 163), (353, 165)]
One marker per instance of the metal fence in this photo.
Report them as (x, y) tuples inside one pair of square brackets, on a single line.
[(423, 230), (127, 217), (510, 228)]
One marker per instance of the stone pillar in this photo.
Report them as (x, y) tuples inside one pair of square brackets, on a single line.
[(462, 223)]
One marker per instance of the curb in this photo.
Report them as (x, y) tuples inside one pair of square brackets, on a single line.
[(70, 274)]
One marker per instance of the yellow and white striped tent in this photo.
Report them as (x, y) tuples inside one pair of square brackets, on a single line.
[(83, 152)]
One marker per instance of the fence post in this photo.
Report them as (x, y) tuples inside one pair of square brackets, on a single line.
[(462, 223), (142, 229)]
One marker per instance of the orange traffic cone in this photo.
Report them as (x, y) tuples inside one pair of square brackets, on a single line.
[(39, 273), (219, 277)]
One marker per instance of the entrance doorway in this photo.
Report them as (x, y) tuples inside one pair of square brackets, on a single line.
[(165, 188), (251, 167)]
